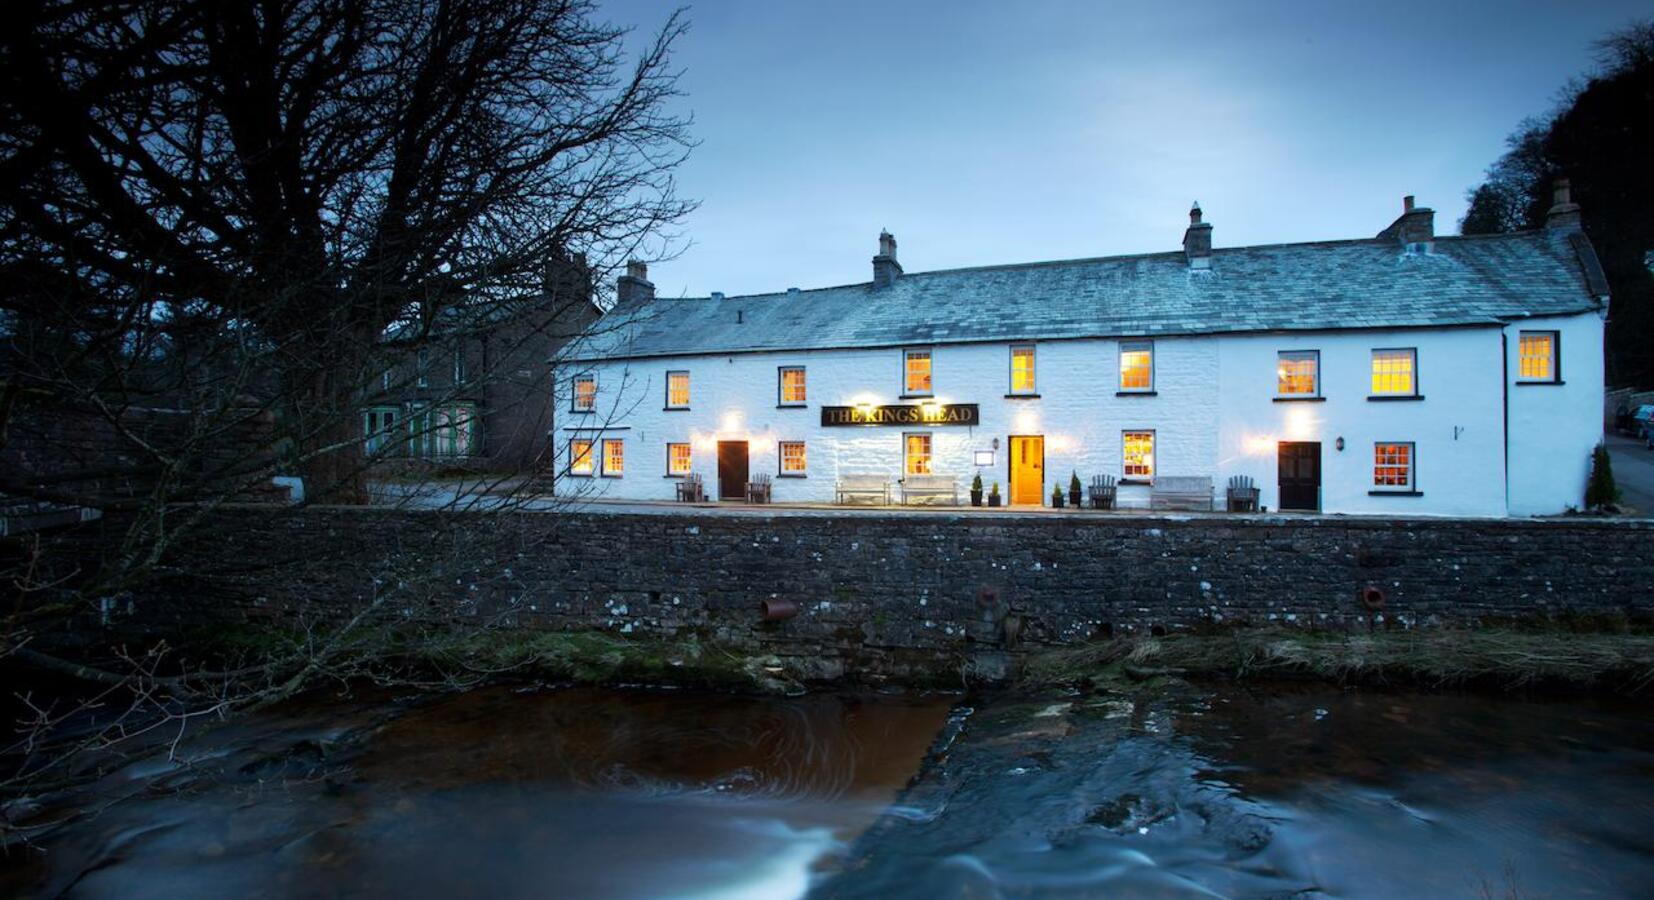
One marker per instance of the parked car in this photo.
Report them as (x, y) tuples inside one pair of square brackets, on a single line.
[(1642, 422)]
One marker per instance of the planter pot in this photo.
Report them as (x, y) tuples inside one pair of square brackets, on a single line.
[(1074, 498), (976, 498), (993, 500), (1056, 501)]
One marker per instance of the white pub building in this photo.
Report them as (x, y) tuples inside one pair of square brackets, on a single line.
[(1405, 374)]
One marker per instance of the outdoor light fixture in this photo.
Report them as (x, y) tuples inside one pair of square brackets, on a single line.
[(1339, 444)]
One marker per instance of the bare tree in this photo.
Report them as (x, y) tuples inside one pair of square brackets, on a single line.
[(225, 224)]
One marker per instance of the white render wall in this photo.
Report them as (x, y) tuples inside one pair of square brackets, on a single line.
[(1555, 426), (1213, 413)]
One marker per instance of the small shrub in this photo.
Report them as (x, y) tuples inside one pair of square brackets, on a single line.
[(1074, 482), (1600, 491), (976, 483)]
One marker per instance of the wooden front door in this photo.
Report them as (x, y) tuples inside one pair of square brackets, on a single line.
[(1027, 470), (1300, 475), (732, 470)]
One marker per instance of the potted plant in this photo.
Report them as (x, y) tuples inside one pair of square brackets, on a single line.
[(993, 495), (1074, 499), (1056, 496), (976, 490)]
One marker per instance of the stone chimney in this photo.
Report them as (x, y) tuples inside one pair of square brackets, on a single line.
[(885, 267), (1415, 225), (1564, 212), (635, 284), (1197, 240)]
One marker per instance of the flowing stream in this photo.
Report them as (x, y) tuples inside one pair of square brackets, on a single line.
[(1191, 792)]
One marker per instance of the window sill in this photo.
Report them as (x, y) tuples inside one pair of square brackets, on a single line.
[(791, 475), (1392, 398), (915, 396), (670, 475), (1136, 393), (608, 475), (1315, 399), (1022, 396), (1395, 493), (792, 406), (580, 474), (674, 409), (1141, 481), (582, 412), (1557, 382)]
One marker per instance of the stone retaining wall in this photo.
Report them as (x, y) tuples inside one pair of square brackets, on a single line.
[(894, 594)]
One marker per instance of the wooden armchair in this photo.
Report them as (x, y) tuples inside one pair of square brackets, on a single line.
[(1243, 494), (758, 489), (1103, 491)]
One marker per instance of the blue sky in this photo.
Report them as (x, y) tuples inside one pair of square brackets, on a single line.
[(984, 133)]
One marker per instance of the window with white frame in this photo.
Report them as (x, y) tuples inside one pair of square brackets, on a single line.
[(1136, 366), (422, 361), (1536, 356), (1393, 466), (916, 454), (459, 366), (614, 457), (679, 458), (379, 431), (1137, 451), (677, 390), (584, 393), (791, 385), (1298, 373), (448, 430), (580, 456), (1022, 369), (916, 373), (1395, 373), (793, 461)]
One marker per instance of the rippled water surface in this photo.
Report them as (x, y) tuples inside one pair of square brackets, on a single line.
[(587, 793)]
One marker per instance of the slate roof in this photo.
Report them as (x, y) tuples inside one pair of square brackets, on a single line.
[(1368, 283)]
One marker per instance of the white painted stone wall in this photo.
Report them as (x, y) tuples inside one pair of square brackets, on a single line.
[(1554, 427), (1213, 413)]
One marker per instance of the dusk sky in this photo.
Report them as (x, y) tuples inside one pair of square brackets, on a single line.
[(985, 133)]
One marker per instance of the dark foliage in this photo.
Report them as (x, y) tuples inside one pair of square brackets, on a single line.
[(1601, 492)]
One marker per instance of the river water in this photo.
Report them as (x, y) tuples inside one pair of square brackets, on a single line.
[(1192, 792)]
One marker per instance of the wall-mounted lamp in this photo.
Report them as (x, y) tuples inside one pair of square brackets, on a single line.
[(1339, 444), (996, 443)]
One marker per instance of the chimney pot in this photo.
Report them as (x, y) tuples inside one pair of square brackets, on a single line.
[(885, 267), (1407, 203), (717, 295)]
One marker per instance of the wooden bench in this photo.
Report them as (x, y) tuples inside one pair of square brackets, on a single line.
[(690, 490), (758, 489), (930, 486), (1181, 492), (1103, 492), (1243, 494), (875, 487)]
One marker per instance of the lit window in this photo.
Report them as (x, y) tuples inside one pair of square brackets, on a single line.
[(792, 385), (1297, 373), (585, 393), (917, 371), (1138, 451), (1537, 352), (614, 457), (918, 454), (580, 457), (1022, 369), (1393, 372), (1137, 366), (678, 459), (1393, 466), (677, 390), (379, 431), (792, 458)]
